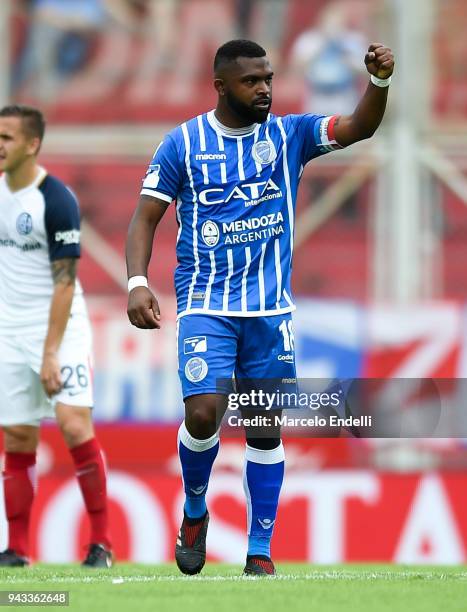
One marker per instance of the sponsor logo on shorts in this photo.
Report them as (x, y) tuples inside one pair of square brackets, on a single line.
[(263, 152), (24, 224), (197, 344), (196, 369), (289, 358), (210, 233)]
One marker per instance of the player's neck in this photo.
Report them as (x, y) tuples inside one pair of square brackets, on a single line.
[(229, 118), (23, 176)]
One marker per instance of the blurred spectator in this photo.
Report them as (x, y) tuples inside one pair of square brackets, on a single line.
[(264, 21), (154, 21), (19, 26), (59, 42), (330, 58), (160, 49), (204, 26), (451, 45), (137, 44)]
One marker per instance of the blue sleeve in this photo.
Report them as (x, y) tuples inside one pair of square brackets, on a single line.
[(316, 134), (163, 178), (62, 219)]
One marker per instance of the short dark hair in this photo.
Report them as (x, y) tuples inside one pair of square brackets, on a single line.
[(234, 49), (32, 119)]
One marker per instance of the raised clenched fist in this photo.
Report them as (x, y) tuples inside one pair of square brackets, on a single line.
[(379, 61)]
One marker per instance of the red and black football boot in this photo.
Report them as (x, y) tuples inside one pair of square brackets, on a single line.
[(259, 565), (190, 549)]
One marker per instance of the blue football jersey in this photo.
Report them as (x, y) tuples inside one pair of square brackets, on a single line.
[(235, 204)]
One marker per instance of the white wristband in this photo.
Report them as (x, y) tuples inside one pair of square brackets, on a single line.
[(137, 281), (380, 82)]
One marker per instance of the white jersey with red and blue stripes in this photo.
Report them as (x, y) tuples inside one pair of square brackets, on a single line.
[(235, 193)]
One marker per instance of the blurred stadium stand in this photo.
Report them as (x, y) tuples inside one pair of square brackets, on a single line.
[(381, 239), (382, 222)]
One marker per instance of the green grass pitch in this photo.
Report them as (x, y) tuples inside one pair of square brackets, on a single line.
[(160, 588)]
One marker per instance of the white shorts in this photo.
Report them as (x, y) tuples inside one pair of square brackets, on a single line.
[(22, 398)]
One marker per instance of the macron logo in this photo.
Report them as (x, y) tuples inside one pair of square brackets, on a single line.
[(68, 237), (210, 156)]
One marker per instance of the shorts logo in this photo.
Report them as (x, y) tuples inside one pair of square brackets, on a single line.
[(24, 224), (263, 152), (196, 369), (152, 176), (197, 344), (210, 233)]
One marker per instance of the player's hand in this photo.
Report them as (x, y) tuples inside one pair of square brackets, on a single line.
[(50, 375), (143, 309), (379, 61)]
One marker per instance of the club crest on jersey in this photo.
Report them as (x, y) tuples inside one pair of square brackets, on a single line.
[(210, 233), (24, 224), (264, 152), (196, 369)]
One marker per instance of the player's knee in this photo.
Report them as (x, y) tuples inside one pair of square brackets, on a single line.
[(201, 422), (75, 429), (201, 415), (201, 425), (20, 438)]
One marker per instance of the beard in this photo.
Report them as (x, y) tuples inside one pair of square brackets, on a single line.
[(249, 114)]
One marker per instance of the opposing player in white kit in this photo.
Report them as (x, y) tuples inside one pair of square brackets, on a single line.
[(45, 335)]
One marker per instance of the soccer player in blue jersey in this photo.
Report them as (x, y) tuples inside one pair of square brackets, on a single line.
[(234, 174)]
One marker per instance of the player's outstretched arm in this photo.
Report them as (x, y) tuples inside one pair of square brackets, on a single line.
[(143, 308), (369, 113), (64, 277)]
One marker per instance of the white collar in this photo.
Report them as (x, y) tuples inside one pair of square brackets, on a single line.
[(224, 130), (42, 173)]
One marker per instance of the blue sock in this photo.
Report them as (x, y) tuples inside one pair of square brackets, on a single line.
[(262, 481), (196, 458)]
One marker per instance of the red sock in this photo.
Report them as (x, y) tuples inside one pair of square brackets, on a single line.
[(90, 472), (19, 483)]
